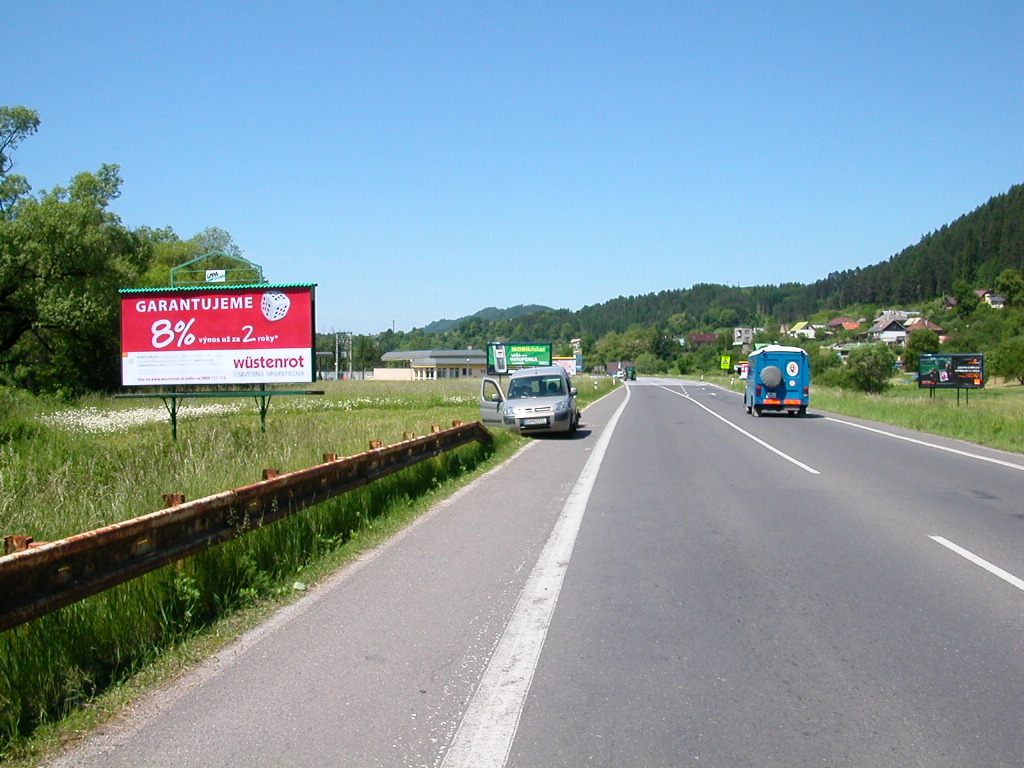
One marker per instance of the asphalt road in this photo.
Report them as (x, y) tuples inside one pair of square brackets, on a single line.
[(680, 585)]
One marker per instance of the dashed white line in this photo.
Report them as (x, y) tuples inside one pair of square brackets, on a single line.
[(1009, 578), (744, 432)]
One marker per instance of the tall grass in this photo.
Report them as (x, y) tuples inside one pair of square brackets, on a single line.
[(66, 470)]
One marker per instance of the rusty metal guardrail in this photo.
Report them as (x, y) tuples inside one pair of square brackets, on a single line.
[(49, 576)]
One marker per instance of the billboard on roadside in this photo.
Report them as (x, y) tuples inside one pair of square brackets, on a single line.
[(504, 357), (217, 335), (956, 371)]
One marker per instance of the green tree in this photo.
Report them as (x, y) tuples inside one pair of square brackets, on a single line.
[(920, 342), (169, 251), (365, 354), (649, 363), (869, 368), (1011, 285), (16, 124), (824, 360), (62, 258), (966, 298), (1008, 360)]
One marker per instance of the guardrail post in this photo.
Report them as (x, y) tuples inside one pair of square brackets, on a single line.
[(16, 543), (409, 435), (376, 445), (173, 500), (329, 457), (270, 474)]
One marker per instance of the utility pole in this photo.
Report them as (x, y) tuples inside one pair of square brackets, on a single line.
[(350, 355)]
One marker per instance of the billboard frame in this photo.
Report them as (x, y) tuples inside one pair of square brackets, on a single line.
[(951, 371), (219, 334), (506, 356)]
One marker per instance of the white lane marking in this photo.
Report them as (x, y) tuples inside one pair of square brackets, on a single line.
[(485, 734), (993, 569), (957, 451), (744, 432)]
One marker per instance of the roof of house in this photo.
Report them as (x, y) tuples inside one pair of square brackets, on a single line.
[(840, 322), (703, 338), (887, 326), (438, 356), (920, 322)]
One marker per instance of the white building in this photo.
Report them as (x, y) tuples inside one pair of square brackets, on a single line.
[(433, 364)]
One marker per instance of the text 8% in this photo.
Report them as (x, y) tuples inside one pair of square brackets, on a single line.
[(165, 333)]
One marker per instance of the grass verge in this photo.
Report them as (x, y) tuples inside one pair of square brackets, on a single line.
[(993, 417), (66, 470)]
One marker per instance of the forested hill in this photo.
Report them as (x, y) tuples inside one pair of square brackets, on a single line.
[(974, 249), (489, 314)]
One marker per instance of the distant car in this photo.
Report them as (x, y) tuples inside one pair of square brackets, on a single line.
[(538, 400)]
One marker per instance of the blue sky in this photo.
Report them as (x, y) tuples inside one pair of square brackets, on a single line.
[(423, 160)]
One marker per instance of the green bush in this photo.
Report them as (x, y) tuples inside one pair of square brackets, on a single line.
[(869, 368), (832, 377)]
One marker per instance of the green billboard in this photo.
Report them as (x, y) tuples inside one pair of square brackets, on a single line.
[(503, 357)]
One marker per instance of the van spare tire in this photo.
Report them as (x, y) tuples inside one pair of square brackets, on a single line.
[(771, 376)]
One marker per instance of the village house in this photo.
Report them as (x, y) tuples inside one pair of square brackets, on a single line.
[(994, 300), (702, 339), (888, 331), (842, 324), (804, 330)]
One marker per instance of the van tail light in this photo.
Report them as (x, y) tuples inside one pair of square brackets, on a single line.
[(758, 390), (806, 390)]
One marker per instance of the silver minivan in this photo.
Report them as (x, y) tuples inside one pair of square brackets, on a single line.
[(538, 400)]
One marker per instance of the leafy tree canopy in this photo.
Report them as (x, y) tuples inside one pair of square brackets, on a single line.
[(16, 124), (63, 256)]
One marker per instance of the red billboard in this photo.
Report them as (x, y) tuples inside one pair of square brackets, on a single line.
[(224, 335)]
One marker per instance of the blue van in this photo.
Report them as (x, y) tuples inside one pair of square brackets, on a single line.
[(778, 379)]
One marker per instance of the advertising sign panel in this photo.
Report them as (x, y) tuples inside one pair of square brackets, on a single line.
[(960, 371), (502, 357), (224, 335)]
